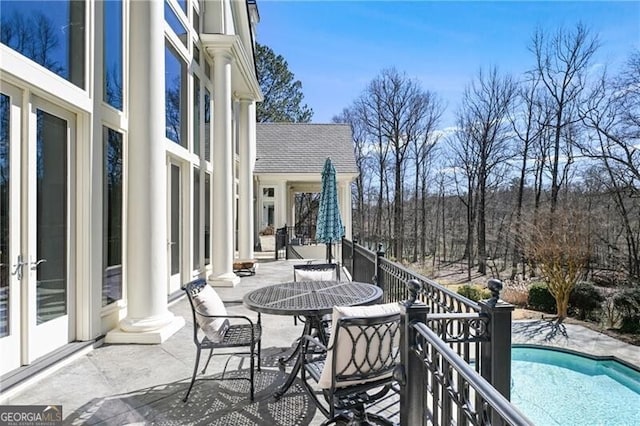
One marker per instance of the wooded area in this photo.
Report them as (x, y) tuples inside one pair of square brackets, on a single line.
[(559, 142)]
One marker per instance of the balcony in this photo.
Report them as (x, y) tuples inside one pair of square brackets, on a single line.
[(459, 348)]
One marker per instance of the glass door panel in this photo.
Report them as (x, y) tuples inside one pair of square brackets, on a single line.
[(48, 212), (51, 230), (175, 241), (10, 267)]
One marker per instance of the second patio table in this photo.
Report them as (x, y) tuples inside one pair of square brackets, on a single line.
[(312, 300)]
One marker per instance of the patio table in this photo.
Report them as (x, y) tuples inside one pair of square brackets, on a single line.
[(311, 300)]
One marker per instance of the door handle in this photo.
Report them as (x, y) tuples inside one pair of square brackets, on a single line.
[(18, 267), (34, 265)]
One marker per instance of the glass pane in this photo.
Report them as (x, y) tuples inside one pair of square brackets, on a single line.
[(196, 115), (175, 24), (183, 5), (176, 96), (207, 125), (196, 218), (196, 54), (175, 219), (51, 231), (112, 217), (196, 21), (5, 262), (113, 53), (49, 32), (207, 218)]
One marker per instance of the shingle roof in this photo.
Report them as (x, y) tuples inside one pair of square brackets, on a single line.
[(303, 147)]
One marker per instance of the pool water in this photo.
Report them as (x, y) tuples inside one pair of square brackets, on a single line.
[(557, 388)]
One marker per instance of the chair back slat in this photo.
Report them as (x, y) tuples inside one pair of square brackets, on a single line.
[(365, 348)]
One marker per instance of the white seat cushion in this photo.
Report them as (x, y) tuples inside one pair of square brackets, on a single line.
[(315, 275), (343, 347), (207, 302)]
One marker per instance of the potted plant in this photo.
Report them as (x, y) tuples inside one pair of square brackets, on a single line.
[(268, 238)]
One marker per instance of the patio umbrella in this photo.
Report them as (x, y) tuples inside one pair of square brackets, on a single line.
[(329, 226)]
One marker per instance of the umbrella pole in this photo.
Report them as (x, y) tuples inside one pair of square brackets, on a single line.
[(329, 252)]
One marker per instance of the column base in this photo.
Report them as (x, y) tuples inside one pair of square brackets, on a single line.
[(140, 332), (228, 279)]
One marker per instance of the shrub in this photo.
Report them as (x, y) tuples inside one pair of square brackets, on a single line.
[(628, 304), (585, 299), (516, 293), (540, 298), (474, 292)]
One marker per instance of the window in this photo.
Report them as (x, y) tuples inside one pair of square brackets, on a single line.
[(175, 23), (268, 192), (196, 218), (207, 218), (51, 33), (112, 217), (176, 96), (112, 87), (207, 125), (196, 115)]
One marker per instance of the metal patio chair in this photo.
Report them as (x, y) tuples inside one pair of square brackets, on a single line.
[(355, 369), (234, 331)]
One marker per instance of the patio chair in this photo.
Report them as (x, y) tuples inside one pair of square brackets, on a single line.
[(355, 369), (213, 329), (316, 272)]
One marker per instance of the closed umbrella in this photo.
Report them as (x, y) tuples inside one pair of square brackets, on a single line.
[(329, 226)]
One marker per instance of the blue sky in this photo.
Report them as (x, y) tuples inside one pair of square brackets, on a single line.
[(337, 47)]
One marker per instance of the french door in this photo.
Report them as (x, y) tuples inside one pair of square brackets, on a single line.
[(36, 165), (174, 233)]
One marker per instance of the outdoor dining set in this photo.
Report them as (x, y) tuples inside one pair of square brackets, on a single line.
[(346, 351)]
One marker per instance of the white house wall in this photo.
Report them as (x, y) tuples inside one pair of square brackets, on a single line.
[(226, 72)]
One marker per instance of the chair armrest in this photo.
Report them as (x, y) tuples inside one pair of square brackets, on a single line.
[(236, 317)]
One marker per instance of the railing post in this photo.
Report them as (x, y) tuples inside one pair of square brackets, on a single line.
[(412, 386), (353, 251), (379, 280), (496, 353)]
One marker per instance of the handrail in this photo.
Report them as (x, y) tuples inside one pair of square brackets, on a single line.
[(489, 396)]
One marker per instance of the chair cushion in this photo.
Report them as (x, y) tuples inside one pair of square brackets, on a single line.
[(315, 275), (207, 302), (343, 347)]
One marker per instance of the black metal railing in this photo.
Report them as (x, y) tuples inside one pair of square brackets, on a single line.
[(443, 388), (477, 333)]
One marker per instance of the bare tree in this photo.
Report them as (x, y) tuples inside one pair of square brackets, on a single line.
[(528, 121), (562, 61), (560, 245), (483, 116), (422, 148), (612, 112)]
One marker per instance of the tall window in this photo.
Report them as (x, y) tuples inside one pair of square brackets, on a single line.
[(112, 88), (176, 96), (112, 217), (207, 218), (196, 218), (207, 125), (49, 32), (196, 115)]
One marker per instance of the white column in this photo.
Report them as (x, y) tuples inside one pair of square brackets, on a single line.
[(282, 201), (245, 202), (148, 320), (222, 200), (345, 208)]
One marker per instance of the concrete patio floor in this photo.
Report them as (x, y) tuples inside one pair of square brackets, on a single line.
[(144, 384)]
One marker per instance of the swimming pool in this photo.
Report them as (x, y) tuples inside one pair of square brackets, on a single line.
[(552, 387)]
